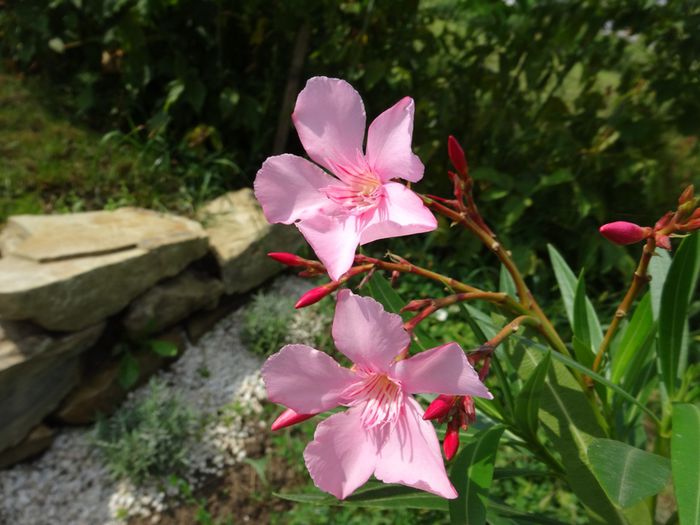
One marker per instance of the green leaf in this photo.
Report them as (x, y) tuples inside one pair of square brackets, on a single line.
[(587, 332), (567, 287), (571, 425), (128, 371), (163, 348), (374, 494), (506, 283), (658, 270), (527, 403), (472, 474), (380, 289), (634, 347), (627, 474), (685, 459), (673, 314)]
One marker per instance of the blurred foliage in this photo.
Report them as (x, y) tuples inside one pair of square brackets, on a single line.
[(572, 113)]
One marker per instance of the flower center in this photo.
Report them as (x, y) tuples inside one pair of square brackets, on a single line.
[(382, 399), (362, 193)]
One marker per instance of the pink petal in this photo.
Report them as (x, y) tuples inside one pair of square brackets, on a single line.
[(443, 370), (330, 120), (401, 213), (366, 333), (389, 144), (411, 455), (342, 455), (305, 380), (287, 188), (334, 239)]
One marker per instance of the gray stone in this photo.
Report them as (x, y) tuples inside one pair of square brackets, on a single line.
[(38, 440), (171, 301), (240, 238), (37, 370), (67, 272)]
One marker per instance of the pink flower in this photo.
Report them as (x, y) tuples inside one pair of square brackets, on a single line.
[(622, 232), (361, 203), (382, 432)]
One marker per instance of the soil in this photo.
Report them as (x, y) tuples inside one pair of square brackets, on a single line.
[(238, 496)]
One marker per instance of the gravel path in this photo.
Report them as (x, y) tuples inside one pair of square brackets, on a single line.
[(70, 483)]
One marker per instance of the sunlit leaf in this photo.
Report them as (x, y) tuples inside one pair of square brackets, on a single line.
[(685, 459)]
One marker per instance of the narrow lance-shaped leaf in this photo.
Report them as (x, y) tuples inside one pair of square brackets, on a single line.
[(626, 473), (567, 287), (658, 270), (472, 474), (527, 403), (673, 314), (685, 459), (587, 332)]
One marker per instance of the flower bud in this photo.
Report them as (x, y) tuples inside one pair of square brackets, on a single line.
[(439, 408), (687, 195), (451, 442), (289, 418), (622, 232), (457, 157), (316, 294), (415, 305), (663, 241), (287, 258)]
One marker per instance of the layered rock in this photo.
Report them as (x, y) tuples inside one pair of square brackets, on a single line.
[(37, 369), (67, 272), (240, 237)]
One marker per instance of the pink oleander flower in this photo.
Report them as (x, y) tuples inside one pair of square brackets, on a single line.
[(382, 432), (360, 203), (622, 232)]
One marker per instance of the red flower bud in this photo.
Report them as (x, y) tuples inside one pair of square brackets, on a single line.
[(469, 409), (415, 305), (622, 232), (457, 157), (289, 418), (439, 408), (664, 221), (287, 258), (315, 295), (451, 442), (687, 195)]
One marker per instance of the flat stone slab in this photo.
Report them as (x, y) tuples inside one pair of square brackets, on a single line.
[(67, 272), (240, 238)]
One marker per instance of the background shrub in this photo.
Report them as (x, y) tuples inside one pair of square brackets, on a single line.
[(147, 438)]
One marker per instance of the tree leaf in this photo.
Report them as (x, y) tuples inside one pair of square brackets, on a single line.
[(375, 494), (685, 459), (634, 346), (506, 283), (472, 474), (587, 332), (527, 403), (567, 287), (163, 348), (673, 313), (658, 270), (626, 473)]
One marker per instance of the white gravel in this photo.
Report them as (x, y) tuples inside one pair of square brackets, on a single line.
[(70, 483)]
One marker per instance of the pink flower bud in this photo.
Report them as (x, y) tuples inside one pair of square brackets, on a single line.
[(451, 442), (289, 418), (315, 295), (439, 408), (287, 258), (663, 241), (456, 154), (622, 232), (687, 194), (415, 305), (469, 409)]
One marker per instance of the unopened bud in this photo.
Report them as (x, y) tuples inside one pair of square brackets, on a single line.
[(664, 221), (439, 408), (316, 294), (451, 442), (457, 157), (469, 409), (289, 418), (622, 232), (415, 305), (287, 258), (687, 195)]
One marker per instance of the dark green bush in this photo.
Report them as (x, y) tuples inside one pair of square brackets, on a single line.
[(572, 113)]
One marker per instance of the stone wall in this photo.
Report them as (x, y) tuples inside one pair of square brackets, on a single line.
[(73, 286)]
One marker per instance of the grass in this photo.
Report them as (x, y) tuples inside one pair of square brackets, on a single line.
[(48, 164)]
